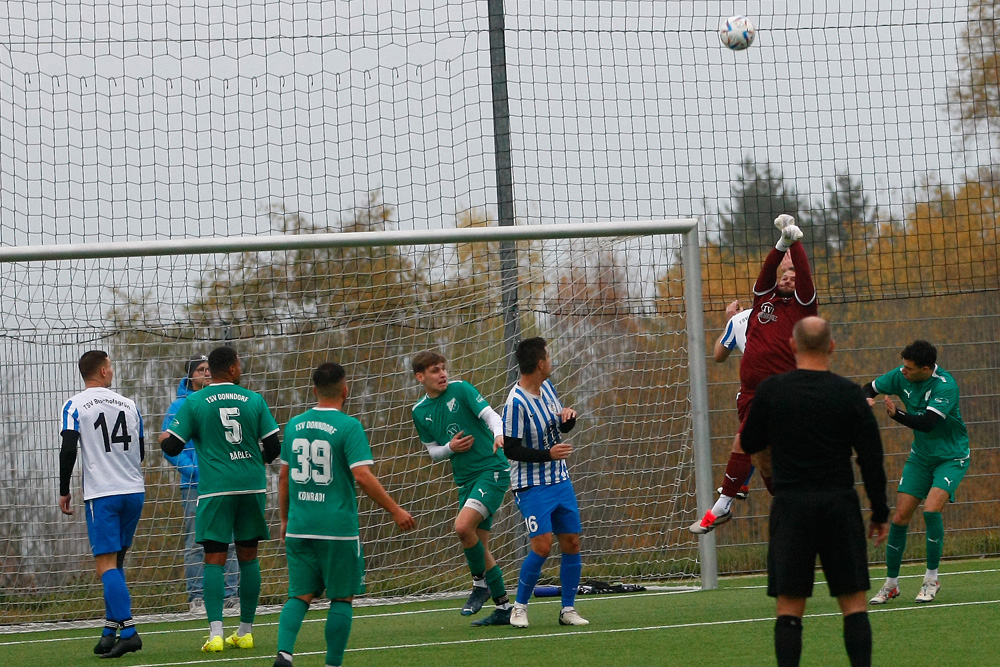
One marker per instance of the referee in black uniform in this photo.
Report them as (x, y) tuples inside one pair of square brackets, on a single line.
[(813, 420)]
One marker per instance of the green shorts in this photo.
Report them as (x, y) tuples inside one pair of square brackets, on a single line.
[(231, 518), (334, 566), (485, 495), (920, 475)]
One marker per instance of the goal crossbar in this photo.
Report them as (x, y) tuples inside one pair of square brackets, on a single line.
[(206, 246)]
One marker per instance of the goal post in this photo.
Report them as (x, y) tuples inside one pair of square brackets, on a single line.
[(619, 303)]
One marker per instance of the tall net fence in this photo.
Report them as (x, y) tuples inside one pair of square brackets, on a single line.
[(617, 336), (875, 126)]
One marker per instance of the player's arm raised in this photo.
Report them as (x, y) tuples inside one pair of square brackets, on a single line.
[(369, 483)]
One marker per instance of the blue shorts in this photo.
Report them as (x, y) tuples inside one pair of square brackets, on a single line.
[(111, 521), (549, 508)]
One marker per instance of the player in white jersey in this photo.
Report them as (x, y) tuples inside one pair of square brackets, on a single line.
[(534, 420), (107, 427), (734, 336)]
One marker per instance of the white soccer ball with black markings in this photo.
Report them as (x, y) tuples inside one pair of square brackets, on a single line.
[(737, 33)]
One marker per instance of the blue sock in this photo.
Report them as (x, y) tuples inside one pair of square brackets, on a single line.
[(117, 599), (531, 570), (569, 577)]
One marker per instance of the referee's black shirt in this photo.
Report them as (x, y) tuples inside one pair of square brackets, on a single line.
[(812, 421)]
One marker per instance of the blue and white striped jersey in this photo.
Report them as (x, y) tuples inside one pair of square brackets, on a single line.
[(534, 419), (735, 335)]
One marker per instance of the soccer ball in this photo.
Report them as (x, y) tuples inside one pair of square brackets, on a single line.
[(737, 33)]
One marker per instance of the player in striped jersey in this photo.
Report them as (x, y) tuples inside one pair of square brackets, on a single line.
[(455, 423), (108, 429), (324, 452), (533, 423), (229, 425)]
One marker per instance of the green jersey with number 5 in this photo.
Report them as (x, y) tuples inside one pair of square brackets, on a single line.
[(321, 446), (227, 423)]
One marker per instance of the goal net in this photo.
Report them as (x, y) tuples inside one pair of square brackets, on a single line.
[(612, 308)]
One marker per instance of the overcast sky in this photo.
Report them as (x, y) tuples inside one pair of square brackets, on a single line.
[(190, 118)]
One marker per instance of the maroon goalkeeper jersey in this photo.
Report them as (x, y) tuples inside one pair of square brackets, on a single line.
[(772, 318)]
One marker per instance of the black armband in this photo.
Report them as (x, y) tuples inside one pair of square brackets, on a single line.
[(67, 459), (142, 449), (869, 390), (923, 423), (272, 447), (172, 445), (515, 451), (567, 426)]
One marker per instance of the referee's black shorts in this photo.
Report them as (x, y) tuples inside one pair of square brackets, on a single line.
[(806, 524)]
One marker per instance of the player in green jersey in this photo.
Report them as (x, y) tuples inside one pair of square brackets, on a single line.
[(229, 424), (456, 423), (324, 453), (939, 457)]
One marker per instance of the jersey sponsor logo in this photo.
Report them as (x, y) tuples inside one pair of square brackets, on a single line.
[(236, 456), (452, 405), (766, 313), (938, 399), (480, 400), (312, 496)]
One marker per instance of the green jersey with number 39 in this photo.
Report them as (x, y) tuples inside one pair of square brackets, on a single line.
[(321, 446), (227, 423)]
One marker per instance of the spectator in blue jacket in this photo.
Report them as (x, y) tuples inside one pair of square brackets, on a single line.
[(197, 377)]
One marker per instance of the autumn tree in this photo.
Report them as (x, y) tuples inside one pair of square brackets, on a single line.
[(974, 97)]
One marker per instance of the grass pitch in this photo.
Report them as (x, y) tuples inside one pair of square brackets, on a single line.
[(733, 624)]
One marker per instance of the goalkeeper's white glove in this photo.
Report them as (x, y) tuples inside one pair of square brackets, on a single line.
[(790, 235), (783, 221)]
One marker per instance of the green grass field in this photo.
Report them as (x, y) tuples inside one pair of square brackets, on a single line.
[(731, 625)]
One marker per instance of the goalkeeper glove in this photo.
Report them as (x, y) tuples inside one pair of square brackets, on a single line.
[(783, 221), (790, 235)]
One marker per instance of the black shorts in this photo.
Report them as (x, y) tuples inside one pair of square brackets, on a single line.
[(807, 524)]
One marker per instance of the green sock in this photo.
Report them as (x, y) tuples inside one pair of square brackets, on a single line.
[(894, 549), (935, 538), (249, 589), (494, 579), (476, 557), (214, 585), (289, 624), (338, 629)]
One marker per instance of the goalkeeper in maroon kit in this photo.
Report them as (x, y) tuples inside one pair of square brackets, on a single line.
[(778, 303)]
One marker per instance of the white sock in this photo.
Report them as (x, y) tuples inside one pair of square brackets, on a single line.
[(892, 582), (479, 583), (722, 505), (215, 628), (245, 629), (930, 575), (569, 609)]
